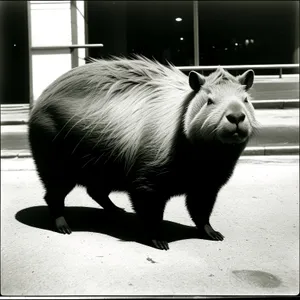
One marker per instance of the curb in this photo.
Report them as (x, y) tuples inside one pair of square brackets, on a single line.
[(263, 150), (271, 150), (17, 122), (275, 104), (15, 154)]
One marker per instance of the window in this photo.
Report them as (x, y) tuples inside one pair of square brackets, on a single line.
[(149, 28), (247, 32)]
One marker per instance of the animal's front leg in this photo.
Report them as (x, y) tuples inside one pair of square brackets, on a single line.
[(200, 208), (150, 206), (215, 235)]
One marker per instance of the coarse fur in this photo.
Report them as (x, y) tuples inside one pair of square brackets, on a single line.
[(138, 126)]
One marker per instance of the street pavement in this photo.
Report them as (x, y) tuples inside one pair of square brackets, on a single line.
[(266, 89), (279, 127), (257, 212)]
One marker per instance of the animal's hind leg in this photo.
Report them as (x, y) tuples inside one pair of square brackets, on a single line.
[(102, 198), (55, 198), (54, 171)]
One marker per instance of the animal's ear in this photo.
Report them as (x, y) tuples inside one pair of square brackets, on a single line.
[(220, 69), (196, 80), (247, 79)]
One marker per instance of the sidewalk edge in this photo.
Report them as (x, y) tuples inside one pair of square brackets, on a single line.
[(263, 150)]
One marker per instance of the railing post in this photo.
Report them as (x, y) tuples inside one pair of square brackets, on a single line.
[(280, 72), (74, 52), (196, 34), (31, 102), (86, 30)]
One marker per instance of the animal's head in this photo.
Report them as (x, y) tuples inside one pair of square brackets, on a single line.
[(221, 109)]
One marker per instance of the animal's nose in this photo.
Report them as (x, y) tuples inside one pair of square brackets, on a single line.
[(236, 118)]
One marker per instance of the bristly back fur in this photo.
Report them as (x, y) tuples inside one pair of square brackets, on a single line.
[(129, 107)]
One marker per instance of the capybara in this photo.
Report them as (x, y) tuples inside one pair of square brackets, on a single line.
[(137, 126)]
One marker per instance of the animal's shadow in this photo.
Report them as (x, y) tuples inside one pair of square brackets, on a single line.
[(125, 226)]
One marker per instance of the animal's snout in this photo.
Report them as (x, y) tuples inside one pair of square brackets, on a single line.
[(236, 117)]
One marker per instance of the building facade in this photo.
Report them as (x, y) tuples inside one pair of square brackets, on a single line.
[(39, 38)]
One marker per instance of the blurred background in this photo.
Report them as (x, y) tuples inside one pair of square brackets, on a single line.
[(40, 40)]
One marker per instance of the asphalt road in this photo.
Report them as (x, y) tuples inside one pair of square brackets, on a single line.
[(275, 89), (278, 127), (257, 212)]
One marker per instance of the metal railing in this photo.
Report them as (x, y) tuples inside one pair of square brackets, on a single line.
[(65, 47), (71, 48), (280, 67)]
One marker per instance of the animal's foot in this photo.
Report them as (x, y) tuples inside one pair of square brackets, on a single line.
[(215, 235), (157, 239), (154, 237), (161, 245), (62, 225)]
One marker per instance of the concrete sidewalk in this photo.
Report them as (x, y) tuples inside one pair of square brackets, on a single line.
[(257, 212)]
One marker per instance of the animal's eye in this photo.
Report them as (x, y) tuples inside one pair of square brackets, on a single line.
[(209, 101), (246, 100)]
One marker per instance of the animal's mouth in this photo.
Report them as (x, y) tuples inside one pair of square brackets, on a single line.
[(234, 136)]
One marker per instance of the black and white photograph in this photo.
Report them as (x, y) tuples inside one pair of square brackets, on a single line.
[(149, 149)]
